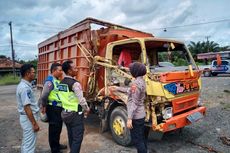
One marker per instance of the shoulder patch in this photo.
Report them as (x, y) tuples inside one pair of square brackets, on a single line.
[(133, 88), (49, 78), (29, 94), (49, 83)]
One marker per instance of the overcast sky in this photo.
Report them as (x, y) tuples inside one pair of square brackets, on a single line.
[(36, 20)]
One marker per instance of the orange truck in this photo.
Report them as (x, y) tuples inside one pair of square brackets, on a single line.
[(102, 51)]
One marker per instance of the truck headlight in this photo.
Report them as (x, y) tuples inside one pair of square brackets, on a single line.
[(167, 113)]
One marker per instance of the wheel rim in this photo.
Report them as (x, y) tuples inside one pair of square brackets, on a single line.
[(206, 73), (118, 126)]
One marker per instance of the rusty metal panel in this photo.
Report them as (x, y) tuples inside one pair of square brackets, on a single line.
[(64, 34), (62, 46), (64, 49)]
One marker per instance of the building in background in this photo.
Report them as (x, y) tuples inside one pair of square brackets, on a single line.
[(6, 66)]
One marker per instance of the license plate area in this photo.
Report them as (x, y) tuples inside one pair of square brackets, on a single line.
[(195, 117)]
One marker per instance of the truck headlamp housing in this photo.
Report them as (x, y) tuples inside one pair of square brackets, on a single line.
[(167, 113)]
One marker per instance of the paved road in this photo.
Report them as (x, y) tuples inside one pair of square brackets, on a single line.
[(202, 137)]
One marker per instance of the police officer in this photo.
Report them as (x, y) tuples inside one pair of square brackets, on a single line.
[(52, 106), (74, 106), (135, 107), (28, 109)]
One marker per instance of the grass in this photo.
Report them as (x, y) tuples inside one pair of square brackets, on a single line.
[(9, 79)]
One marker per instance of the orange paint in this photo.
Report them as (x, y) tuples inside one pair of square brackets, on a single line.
[(179, 121), (184, 103)]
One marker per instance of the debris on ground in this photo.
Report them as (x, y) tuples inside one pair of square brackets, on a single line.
[(228, 91), (225, 140), (209, 148)]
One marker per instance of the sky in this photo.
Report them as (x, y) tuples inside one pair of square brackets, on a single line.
[(33, 21)]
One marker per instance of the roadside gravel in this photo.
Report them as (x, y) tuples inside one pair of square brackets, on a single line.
[(201, 137)]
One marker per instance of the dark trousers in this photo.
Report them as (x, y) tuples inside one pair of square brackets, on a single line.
[(139, 135), (55, 127), (75, 128)]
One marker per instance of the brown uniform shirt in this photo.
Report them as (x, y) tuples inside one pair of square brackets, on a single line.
[(136, 97)]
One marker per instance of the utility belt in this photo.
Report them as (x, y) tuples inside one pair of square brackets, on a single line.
[(55, 103), (70, 111)]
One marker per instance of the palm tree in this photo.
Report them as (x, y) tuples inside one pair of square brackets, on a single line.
[(225, 48), (211, 46), (195, 48), (203, 47)]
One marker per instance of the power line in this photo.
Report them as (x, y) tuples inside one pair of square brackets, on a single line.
[(4, 22), (193, 24), (34, 25), (26, 46), (23, 43), (46, 26), (5, 45), (63, 28), (46, 32), (18, 44)]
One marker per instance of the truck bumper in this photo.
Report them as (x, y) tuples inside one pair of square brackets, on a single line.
[(180, 121)]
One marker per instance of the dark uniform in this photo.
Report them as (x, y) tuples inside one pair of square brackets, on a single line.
[(136, 108), (73, 101), (136, 112), (51, 101)]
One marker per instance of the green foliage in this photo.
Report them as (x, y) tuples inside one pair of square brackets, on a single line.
[(3, 56), (9, 79), (176, 57), (200, 63), (205, 47), (34, 62), (180, 62)]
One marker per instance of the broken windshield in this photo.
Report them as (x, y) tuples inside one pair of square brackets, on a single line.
[(165, 56)]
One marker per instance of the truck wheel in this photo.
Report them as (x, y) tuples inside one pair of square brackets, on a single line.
[(207, 73), (214, 74), (119, 130)]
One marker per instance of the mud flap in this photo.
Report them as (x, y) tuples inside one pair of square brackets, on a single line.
[(103, 126)]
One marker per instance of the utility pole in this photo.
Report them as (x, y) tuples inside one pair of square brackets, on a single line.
[(207, 37), (12, 47), (208, 42)]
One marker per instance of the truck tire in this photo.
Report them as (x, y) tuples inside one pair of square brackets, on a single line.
[(119, 130), (214, 74), (207, 73)]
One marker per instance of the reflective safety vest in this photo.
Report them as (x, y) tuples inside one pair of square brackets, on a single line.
[(69, 99), (53, 98)]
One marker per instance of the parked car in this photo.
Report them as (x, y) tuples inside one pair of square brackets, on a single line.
[(214, 69), (166, 64)]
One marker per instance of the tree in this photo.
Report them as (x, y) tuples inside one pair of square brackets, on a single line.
[(225, 48), (3, 56), (34, 62), (195, 48), (203, 47)]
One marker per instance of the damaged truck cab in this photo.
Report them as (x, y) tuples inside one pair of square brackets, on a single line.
[(102, 57), (172, 91)]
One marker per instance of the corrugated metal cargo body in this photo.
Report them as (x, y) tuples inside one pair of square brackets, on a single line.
[(70, 44)]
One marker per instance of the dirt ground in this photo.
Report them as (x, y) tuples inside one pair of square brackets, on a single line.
[(201, 137)]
